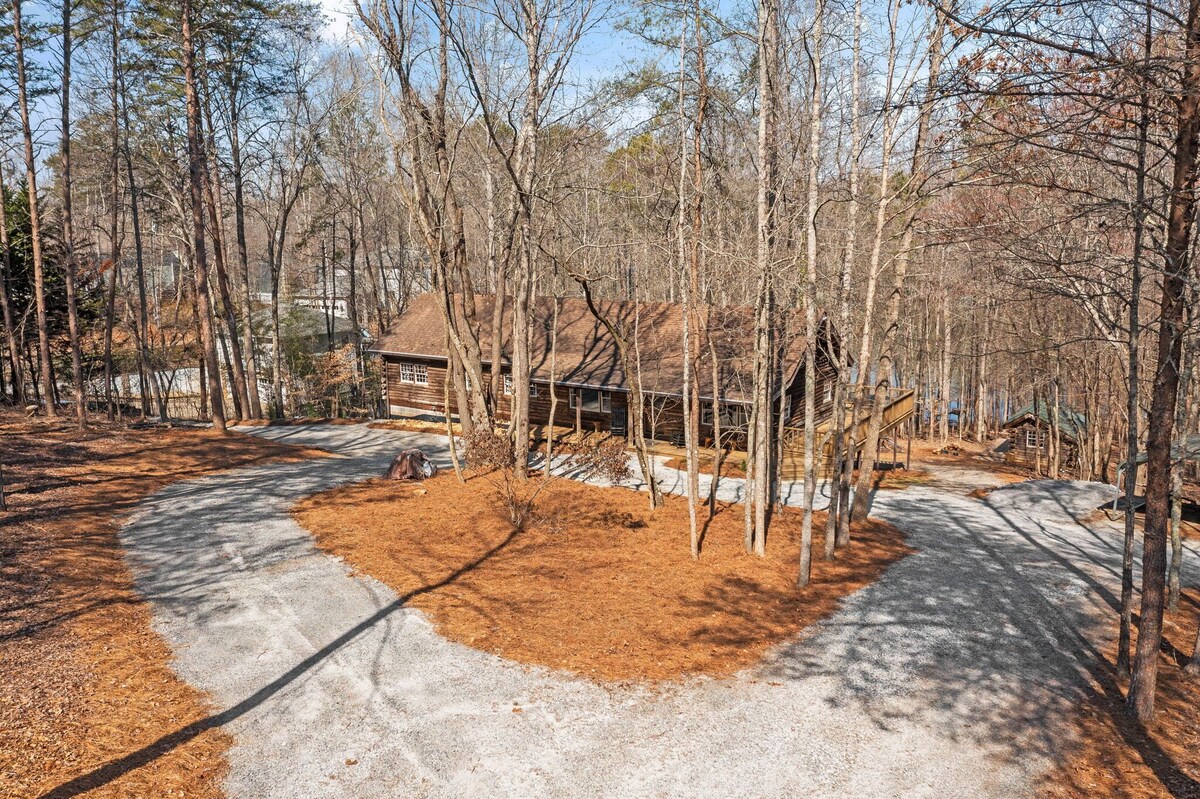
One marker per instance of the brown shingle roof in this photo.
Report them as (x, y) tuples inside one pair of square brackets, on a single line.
[(586, 355)]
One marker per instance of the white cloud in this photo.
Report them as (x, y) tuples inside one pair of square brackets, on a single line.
[(339, 18)]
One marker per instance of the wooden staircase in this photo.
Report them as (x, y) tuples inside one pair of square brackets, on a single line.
[(899, 406)]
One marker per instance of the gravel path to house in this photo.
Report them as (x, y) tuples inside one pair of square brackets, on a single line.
[(953, 676)]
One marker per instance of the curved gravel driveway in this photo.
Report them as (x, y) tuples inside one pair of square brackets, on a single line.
[(953, 676)]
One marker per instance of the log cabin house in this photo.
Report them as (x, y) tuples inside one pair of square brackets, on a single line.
[(1029, 431), (589, 382)]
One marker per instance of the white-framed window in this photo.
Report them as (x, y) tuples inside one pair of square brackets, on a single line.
[(415, 373), (1036, 439), (508, 387), (591, 399), (829, 392)]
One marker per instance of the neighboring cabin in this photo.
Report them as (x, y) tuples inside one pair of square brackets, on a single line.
[(1030, 429), (307, 330), (590, 383)]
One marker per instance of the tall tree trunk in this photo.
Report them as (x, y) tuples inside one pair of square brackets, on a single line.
[(549, 465), (276, 266), (1165, 394), (196, 171), (114, 218), (32, 369), (110, 319), (689, 257), (883, 377), (718, 444), (1185, 379), (810, 301), (526, 175), (759, 461), (838, 523), (10, 327), (497, 275), (697, 327), (1055, 424), (142, 328), (239, 221), (69, 267), (981, 376), (458, 472), (431, 196), (867, 366), (228, 311), (944, 405), (35, 219)]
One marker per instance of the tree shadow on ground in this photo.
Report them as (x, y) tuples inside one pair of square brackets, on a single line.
[(988, 634), (188, 594)]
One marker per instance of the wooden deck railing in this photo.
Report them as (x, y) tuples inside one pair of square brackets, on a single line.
[(899, 406)]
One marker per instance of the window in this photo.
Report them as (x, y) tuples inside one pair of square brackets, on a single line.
[(415, 373), (732, 416), (590, 399), (829, 392), (508, 387), (1036, 439)]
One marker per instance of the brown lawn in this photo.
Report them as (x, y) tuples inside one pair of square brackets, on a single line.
[(1115, 757), (600, 585), (84, 679)]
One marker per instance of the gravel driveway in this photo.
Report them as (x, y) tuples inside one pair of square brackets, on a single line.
[(951, 677)]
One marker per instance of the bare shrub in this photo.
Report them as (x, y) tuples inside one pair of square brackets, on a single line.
[(487, 450), (518, 498), (491, 455), (606, 459)]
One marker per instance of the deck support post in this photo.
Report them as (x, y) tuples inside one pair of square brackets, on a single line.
[(908, 454)]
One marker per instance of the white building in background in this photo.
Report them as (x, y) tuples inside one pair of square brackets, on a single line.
[(308, 328), (181, 387), (337, 306)]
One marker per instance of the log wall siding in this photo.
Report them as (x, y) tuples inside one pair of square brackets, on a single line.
[(564, 414), (664, 421), (826, 374), (411, 395), (663, 415), (1020, 453), (430, 397)]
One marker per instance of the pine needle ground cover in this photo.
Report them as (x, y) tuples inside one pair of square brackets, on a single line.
[(599, 585), (84, 679), (1113, 756)]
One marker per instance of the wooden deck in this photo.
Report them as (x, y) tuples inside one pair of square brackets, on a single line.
[(899, 406)]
